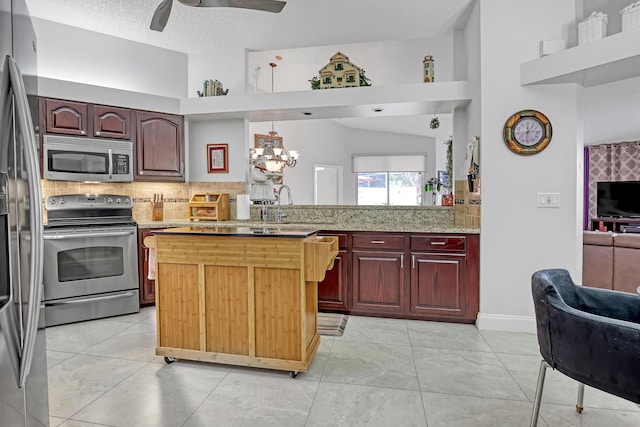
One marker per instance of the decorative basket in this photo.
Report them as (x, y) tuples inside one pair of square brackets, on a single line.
[(631, 16), (592, 28)]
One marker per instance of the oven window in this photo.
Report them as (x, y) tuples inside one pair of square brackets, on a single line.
[(78, 162), (90, 263)]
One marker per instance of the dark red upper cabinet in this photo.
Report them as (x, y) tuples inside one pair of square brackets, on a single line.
[(159, 147), (111, 122), (66, 117)]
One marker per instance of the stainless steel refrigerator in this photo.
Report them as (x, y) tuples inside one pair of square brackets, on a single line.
[(23, 366)]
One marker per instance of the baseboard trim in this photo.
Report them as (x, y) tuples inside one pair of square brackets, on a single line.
[(501, 322)]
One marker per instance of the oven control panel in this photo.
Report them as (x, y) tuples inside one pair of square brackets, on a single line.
[(86, 201)]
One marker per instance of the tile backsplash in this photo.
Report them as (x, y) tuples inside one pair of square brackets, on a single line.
[(176, 194), (468, 204)]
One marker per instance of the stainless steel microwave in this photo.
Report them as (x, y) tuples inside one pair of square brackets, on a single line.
[(84, 159)]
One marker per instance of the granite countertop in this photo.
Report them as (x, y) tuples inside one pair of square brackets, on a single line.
[(343, 226), (240, 231)]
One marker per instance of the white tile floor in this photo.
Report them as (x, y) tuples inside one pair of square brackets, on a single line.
[(382, 372)]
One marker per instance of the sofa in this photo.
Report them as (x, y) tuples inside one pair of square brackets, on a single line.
[(611, 260)]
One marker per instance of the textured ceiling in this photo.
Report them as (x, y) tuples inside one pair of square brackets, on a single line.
[(301, 23)]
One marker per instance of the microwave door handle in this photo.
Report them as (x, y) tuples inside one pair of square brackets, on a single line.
[(110, 164), (25, 125)]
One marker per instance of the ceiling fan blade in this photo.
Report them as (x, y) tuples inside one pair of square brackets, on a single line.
[(161, 15), (274, 6)]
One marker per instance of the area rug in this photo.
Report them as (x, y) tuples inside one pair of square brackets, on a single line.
[(332, 324)]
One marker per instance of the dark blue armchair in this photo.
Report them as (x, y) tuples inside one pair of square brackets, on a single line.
[(591, 335)]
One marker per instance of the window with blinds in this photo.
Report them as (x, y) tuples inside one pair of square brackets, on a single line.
[(389, 180)]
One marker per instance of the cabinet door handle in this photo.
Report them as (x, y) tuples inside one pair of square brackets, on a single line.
[(377, 242), (97, 133), (82, 132), (413, 261), (437, 243), (402, 261)]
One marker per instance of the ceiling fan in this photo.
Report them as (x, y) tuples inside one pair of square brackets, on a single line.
[(161, 15)]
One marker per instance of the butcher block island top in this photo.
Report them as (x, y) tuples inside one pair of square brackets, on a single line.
[(240, 296)]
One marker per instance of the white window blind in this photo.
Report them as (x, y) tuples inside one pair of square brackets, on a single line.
[(409, 163)]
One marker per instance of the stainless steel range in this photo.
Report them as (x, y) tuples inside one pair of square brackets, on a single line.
[(90, 258)]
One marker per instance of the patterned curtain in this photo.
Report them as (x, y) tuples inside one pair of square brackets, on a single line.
[(612, 162)]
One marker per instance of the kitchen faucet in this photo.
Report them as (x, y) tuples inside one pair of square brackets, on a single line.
[(281, 214)]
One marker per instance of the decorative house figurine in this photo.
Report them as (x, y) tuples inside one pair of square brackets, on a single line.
[(212, 88), (428, 69), (339, 72)]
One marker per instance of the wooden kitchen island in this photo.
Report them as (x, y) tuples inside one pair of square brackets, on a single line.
[(239, 295)]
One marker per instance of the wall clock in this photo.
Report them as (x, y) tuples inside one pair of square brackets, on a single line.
[(527, 132)]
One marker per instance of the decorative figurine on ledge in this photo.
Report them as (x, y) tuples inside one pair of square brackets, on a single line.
[(339, 73), (212, 88), (428, 69)]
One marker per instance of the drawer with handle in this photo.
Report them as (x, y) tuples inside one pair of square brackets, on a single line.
[(377, 241), (342, 238), (438, 243)]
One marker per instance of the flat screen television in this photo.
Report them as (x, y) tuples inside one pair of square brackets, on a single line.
[(619, 199)]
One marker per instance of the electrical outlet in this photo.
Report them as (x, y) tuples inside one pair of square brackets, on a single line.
[(548, 200)]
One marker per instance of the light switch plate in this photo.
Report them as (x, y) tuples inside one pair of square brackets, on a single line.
[(548, 200)]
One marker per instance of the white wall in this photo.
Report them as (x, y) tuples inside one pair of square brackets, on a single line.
[(385, 63), (517, 237), (82, 56), (222, 63), (613, 112), (231, 132)]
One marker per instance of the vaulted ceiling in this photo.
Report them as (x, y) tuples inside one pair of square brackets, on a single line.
[(611, 112), (301, 23)]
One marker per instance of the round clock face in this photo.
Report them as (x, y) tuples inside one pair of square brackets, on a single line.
[(527, 132)]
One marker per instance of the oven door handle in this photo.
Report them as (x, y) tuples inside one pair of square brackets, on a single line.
[(93, 299), (85, 235)]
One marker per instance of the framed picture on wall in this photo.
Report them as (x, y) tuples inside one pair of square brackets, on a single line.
[(267, 141), (443, 177), (217, 158)]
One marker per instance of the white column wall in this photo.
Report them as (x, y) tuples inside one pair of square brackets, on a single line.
[(517, 237), (474, 77)]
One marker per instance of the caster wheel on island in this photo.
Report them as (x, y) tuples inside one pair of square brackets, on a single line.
[(293, 374), (169, 360)]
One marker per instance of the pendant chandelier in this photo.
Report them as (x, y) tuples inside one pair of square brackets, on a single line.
[(272, 155)]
